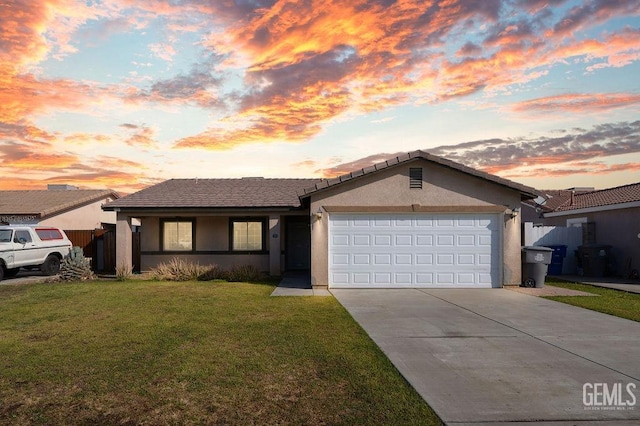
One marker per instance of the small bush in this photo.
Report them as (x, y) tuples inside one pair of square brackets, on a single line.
[(179, 270), (124, 272), (244, 273), (213, 273), (183, 270)]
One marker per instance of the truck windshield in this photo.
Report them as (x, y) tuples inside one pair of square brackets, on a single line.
[(5, 235)]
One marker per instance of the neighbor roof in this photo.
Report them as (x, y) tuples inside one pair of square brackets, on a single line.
[(551, 199), (605, 197), (216, 193), (526, 191), (44, 203)]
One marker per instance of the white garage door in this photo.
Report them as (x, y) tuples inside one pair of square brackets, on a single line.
[(413, 250)]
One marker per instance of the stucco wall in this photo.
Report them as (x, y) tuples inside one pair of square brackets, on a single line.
[(86, 217), (618, 228), (212, 235), (441, 187)]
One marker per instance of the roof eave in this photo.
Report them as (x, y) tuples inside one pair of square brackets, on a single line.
[(526, 192), (594, 209)]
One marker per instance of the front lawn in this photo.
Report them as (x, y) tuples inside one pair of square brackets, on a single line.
[(613, 302), (191, 353)]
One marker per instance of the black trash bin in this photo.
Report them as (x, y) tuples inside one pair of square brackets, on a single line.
[(594, 259), (535, 260), (557, 258)]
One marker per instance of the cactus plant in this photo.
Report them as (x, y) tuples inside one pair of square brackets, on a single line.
[(76, 267)]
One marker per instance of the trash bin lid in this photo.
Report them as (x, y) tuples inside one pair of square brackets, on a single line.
[(536, 248)]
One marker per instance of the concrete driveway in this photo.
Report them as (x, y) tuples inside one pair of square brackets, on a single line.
[(498, 356)]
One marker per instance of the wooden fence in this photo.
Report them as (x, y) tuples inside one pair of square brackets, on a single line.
[(100, 246)]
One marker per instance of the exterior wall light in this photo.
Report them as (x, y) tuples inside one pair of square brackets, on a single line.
[(514, 212), (318, 214)]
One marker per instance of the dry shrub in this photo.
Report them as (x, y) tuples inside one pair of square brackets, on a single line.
[(179, 270), (124, 272), (244, 273)]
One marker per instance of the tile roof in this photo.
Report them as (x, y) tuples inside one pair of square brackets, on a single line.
[(527, 191), (217, 193), (551, 199), (604, 197), (49, 202)]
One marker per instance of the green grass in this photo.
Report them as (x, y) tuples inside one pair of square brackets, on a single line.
[(139, 352), (613, 302)]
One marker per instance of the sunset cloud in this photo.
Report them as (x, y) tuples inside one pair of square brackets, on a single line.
[(577, 150), (160, 78), (579, 103)]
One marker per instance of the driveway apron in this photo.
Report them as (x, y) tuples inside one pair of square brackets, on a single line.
[(481, 356)]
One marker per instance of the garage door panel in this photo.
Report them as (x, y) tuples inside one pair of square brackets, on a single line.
[(424, 240), (362, 240), (439, 250), (382, 240)]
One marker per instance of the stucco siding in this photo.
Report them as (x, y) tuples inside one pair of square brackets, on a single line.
[(88, 217), (441, 187), (618, 228), (212, 233)]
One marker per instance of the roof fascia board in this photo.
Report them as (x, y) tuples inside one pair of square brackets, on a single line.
[(157, 211), (403, 159), (65, 208), (608, 207)]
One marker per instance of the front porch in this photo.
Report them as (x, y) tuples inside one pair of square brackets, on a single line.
[(272, 242)]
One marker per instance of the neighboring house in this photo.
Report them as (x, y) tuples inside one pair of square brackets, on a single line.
[(548, 201), (62, 206), (609, 217), (416, 220)]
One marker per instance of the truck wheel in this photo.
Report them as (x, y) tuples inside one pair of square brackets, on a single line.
[(51, 265), (10, 273)]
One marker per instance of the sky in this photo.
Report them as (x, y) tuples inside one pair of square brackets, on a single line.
[(122, 94)]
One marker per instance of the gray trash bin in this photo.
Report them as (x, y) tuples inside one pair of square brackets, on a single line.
[(535, 261)]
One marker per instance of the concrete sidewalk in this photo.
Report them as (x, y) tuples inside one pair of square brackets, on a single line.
[(297, 284), (607, 282), (498, 356)]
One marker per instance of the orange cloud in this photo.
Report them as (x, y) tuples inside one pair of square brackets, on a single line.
[(291, 119), (578, 103), (572, 169)]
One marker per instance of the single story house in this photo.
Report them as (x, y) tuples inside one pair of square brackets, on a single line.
[(417, 220), (62, 206), (608, 217)]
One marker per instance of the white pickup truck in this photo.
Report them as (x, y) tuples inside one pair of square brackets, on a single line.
[(31, 247)]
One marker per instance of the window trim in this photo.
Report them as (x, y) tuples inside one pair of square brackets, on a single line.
[(178, 220), (261, 220)]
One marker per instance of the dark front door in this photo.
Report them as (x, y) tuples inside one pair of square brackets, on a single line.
[(298, 243)]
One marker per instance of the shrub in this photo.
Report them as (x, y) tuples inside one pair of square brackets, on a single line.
[(244, 273), (179, 270), (183, 270), (76, 267), (124, 272), (213, 273)]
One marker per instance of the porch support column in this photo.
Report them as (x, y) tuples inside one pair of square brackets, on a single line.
[(274, 245), (123, 241)]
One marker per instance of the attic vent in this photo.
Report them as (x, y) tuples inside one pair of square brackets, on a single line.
[(415, 177)]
